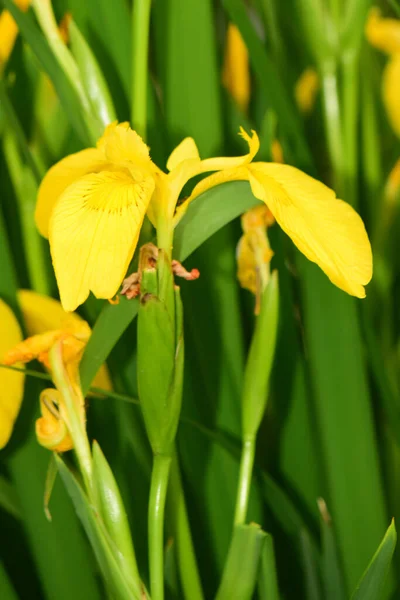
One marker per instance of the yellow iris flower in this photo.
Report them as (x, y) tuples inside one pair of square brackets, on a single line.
[(91, 206), (384, 34), (305, 90)]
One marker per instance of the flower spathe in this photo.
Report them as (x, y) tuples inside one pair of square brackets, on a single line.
[(92, 204)]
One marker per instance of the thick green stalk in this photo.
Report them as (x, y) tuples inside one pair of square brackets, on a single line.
[(245, 476), (158, 492), (140, 48), (76, 425), (188, 571)]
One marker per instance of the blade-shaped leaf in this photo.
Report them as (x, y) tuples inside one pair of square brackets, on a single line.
[(372, 582)]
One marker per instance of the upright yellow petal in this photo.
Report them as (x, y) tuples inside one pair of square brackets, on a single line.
[(94, 230), (121, 144), (236, 71), (230, 162), (59, 177), (186, 150), (391, 92), (326, 230), (11, 382), (382, 33), (43, 314)]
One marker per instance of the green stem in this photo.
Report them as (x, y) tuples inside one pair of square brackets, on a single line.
[(140, 47), (158, 492), (188, 570), (350, 87), (245, 476), (333, 127), (76, 425), (25, 190)]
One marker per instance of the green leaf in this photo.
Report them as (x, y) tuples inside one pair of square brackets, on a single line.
[(97, 534), (332, 575), (267, 579), (41, 49), (371, 586), (7, 591), (114, 516), (241, 569), (8, 498)]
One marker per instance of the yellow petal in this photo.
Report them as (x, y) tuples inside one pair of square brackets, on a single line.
[(59, 177), (121, 144), (391, 92), (186, 150), (382, 33), (8, 34), (51, 430), (43, 314), (94, 230), (11, 382), (306, 89), (326, 230), (215, 164), (236, 72)]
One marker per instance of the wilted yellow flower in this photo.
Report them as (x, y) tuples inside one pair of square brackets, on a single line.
[(92, 204), (253, 251), (11, 382), (9, 31), (47, 324), (51, 429), (384, 34), (236, 72), (306, 89)]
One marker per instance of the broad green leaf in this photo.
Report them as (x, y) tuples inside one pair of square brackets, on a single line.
[(372, 583), (96, 532), (242, 564)]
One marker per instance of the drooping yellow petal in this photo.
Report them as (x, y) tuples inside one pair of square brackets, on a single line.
[(51, 429), (94, 230), (383, 33), (306, 89), (43, 314), (186, 150), (391, 92), (236, 72), (59, 177), (11, 382), (326, 230)]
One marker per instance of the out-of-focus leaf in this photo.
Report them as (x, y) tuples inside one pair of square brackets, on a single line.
[(49, 63), (372, 583), (7, 591), (9, 499), (332, 575)]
